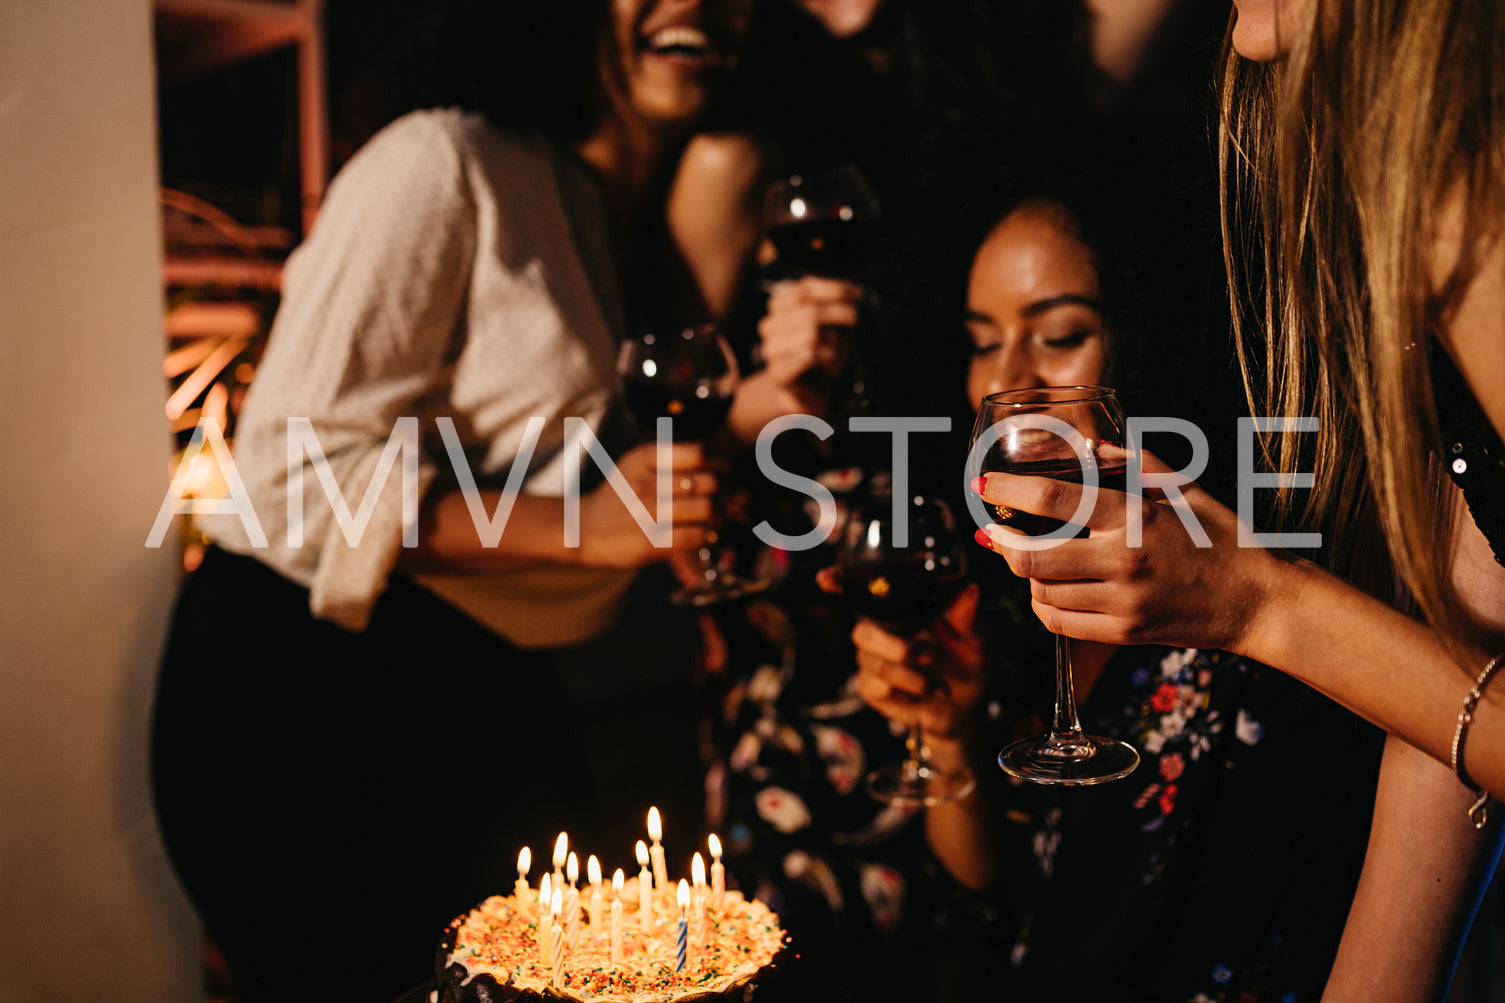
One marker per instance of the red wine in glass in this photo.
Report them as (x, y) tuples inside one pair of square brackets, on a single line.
[(903, 569), (696, 418), (690, 377), (824, 224), (902, 597), (1056, 432), (1113, 478), (829, 246)]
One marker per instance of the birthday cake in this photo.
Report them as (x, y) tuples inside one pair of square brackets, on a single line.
[(596, 944)]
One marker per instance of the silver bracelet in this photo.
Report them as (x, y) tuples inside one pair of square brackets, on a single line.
[(1478, 814)]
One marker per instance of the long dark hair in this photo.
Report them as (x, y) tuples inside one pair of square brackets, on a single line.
[(1141, 197)]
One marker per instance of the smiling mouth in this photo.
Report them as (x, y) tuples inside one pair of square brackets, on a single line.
[(684, 44)]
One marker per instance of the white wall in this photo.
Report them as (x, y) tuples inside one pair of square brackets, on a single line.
[(88, 908)]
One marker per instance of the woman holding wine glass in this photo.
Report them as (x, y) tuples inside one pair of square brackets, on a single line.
[(1193, 876), (1373, 241), (324, 735)]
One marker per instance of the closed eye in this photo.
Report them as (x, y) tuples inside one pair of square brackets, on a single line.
[(1072, 340)]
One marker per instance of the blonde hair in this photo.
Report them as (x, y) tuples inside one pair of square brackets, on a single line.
[(1337, 165)]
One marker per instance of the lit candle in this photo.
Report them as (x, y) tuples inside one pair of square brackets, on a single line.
[(556, 939), (616, 916), (593, 871), (572, 902), (544, 922), (684, 902), (656, 833), (645, 889), (697, 878), (718, 875), (520, 887), (561, 850)]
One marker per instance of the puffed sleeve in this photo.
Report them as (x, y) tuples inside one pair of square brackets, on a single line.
[(372, 317)]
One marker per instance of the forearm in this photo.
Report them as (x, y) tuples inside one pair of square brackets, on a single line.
[(1424, 872), (449, 541), (1380, 664), (961, 832), (760, 399)]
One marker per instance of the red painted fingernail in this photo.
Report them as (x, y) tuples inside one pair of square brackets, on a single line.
[(982, 537), (979, 484)]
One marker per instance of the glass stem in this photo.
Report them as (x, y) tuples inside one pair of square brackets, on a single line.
[(915, 743), (710, 558), (1066, 730)]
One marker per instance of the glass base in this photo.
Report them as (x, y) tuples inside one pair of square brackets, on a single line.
[(912, 783), (722, 588), (1080, 763)]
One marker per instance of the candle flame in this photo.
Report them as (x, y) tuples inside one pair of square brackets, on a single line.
[(616, 882), (655, 827), (642, 854), (697, 870), (593, 870), (683, 895), (561, 849), (524, 861), (715, 846), (543, 888), (556, 904), (572, 869)]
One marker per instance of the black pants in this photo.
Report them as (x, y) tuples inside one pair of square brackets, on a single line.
[(331, 800)]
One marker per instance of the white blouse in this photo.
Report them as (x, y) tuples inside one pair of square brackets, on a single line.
[(454, 271)]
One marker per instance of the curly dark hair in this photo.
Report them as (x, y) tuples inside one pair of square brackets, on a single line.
[(1141, 197)]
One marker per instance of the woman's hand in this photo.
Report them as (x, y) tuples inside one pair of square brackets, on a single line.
[(804, 345), (1167, 590), (937, 678), (610, 535), (804, 334)]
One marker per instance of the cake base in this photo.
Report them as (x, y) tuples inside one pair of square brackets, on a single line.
[(492, 955)]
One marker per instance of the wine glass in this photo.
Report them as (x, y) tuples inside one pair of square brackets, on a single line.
[(903, 569), (689, 376), (1074, 434), (824, 224)]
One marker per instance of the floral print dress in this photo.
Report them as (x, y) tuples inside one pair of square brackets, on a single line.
[(790, 743), (1223, 867), (1220, 870)]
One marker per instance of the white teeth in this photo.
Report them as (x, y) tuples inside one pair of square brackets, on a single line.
[(680, 36)]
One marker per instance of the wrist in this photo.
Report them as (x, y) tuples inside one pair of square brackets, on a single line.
[(1257, 619), (954, 747), (1282, 593), (593, 551)]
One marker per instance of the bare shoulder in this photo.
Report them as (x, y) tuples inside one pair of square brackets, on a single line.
[(724, 160)]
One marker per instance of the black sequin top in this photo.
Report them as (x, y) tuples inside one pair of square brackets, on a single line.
[(1472, 451)]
